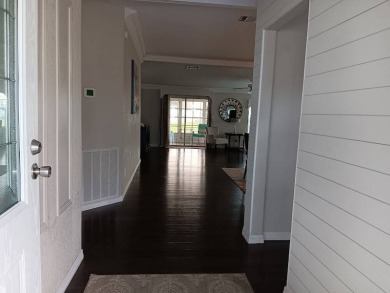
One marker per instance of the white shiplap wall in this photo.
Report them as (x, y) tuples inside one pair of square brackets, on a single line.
[(341, 223)]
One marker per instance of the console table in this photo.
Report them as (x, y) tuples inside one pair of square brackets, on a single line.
[(232, 134)]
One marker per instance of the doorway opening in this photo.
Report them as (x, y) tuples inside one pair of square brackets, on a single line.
[(188, 119), (276, 145)]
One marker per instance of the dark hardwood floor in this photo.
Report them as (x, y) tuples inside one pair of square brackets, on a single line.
[(181, 214)]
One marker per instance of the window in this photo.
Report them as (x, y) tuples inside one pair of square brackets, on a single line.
[(9, 147), (185, 116)]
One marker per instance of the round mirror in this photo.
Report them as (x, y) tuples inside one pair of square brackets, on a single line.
[(230, 110)]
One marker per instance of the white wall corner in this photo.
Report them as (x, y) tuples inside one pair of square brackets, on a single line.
[(72, 271), (277, 236), (133, 25), (131, 179), (252, 239)]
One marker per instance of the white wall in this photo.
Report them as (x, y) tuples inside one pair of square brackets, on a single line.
[(151, 100), (284, 127), (151, 112), (224, 126), (102, 69), (341, 222), (131, 123), (106, 61)]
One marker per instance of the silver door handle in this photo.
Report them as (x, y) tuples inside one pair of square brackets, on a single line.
[(44, 171), (35, 147)]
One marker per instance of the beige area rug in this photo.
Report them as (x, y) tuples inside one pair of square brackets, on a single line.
[(237, 175), (199, 283)]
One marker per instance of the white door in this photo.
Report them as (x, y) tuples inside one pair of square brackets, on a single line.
[(60, 133), (20, 266)]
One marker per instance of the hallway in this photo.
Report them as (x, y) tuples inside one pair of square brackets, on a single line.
[(181, 214)]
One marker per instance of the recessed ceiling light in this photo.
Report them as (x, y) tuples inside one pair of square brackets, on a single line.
[(246, 18), (193, 67)]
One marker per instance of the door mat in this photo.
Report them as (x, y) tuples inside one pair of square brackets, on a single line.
[(188, 283)]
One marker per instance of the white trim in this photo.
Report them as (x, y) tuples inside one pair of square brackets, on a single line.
[(134, 27), (286, 290), (102, 202), (10, 214), (65, 282), (282, 16), (252, 239), (258, 175), (222, 3), (200, 61), (131, 179), (162, 87), (277, 236)]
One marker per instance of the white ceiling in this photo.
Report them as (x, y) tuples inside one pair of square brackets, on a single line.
[(195, 31), (205, 32)]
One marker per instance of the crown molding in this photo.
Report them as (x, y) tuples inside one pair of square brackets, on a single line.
[(133, 25), (162, 87), (199, 61), (249, 4)]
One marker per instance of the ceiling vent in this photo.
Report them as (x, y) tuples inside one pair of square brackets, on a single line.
[(193, 67), (245, 18)]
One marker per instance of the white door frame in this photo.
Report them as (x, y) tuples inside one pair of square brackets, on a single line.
[(263, 75)]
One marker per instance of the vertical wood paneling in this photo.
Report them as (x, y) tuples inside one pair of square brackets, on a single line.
[(341, 231), (101, 174)]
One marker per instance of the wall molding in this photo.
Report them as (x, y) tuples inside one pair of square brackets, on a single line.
[(112, 199), (277, 236), (212, 90), (134, 27), (252, 239), (222, 3), (131, 179), (200, 61), (102, 202), (71, 272)]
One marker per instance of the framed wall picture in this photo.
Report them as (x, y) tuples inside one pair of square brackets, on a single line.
[(135, 88)]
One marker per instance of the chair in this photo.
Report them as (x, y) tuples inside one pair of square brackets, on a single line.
[(214, 138), (202, 131), (246, 144)]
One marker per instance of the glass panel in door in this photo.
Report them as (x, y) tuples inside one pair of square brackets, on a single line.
[(9, 148), (187, 121)]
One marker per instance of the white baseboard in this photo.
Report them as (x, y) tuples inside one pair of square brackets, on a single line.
[(102, 202), (69, 276), (252, 239), (131, 179), (277, 236)]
